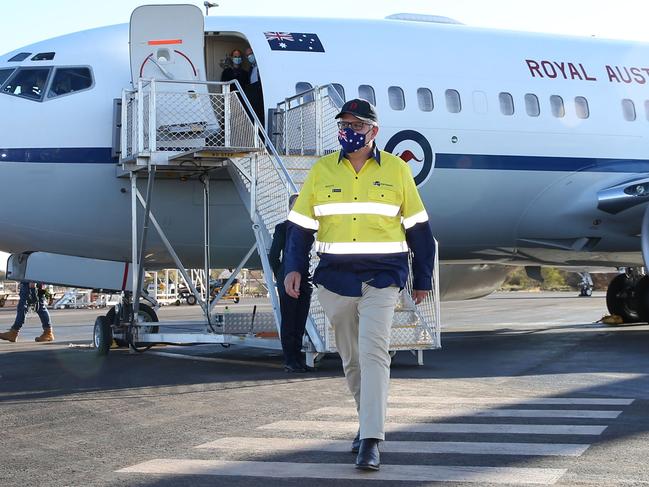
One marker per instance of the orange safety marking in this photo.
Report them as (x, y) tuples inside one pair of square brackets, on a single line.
[(165, 41)]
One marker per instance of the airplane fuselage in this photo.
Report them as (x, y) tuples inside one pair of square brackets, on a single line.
[(505, 179)]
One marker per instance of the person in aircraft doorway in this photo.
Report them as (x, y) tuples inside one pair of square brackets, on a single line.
[(295, 311), (30, 293), (364, 205), (234, 69), (253, 90)]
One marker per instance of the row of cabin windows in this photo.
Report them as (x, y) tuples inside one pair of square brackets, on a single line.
[(397, 101), (35, 83)]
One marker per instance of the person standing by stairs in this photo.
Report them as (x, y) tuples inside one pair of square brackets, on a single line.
[(295, 311), (364, 205), (30, 293)]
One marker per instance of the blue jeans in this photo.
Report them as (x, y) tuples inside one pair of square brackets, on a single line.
[(41, 309)]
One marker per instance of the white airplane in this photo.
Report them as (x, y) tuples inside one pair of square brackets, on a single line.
[(528, 149)]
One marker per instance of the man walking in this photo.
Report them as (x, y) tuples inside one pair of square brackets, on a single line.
[(364, 205), (294, 311), (30, 294)]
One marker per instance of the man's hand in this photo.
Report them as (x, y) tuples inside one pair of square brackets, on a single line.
[(418, 296), (292, 284)]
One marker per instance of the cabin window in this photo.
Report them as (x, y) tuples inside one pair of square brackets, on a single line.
[(43, 56), (4, 74), (366, 92), (532, 106), (506, 103), (425, 99), (453, 102), (480, 102), (340, 90), (397, 98), (558, 108), (21, 56), (581, 107), (628, 109), (70, 80), (28, 83), (646, 109)]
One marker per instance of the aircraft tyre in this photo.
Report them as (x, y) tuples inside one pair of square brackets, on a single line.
[(642, 297), (102, 335), (621, 299), (147, 314)]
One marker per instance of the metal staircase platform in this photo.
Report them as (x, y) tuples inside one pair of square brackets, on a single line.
[(172, 133)]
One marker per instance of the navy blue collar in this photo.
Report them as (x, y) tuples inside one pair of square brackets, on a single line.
[(376, 154)]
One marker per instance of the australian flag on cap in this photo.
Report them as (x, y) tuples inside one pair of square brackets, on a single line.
[(294, 41)]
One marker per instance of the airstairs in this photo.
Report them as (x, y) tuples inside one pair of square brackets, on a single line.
[(192, 129)]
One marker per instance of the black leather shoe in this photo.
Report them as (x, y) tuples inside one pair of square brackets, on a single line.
[(357, 442), (368, 455), (294, 367)]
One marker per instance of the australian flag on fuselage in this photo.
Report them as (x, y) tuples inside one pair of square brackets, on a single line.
[(294, 41)]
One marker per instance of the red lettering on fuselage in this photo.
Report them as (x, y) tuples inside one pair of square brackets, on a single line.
[(534, 68), (558, 69)]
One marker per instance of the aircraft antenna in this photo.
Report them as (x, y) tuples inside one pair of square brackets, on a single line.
[(208, 6)]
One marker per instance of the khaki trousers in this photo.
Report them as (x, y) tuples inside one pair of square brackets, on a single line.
[(362, 326)]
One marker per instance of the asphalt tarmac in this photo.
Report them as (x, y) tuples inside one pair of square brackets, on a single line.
[(527, 390)]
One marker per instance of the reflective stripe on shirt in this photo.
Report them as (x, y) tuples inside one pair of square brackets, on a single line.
[(356, 208), (361, 247), (303, 221), (411, 221)]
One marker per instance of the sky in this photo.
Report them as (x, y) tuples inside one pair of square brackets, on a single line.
[(23, 23)]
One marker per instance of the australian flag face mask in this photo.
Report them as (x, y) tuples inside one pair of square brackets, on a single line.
[(350, 141)]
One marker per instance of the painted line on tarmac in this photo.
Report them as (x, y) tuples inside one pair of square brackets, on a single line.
[(395, 473), (480, 428), (215, 360), (482, 413), (578, 401), (288, 445)]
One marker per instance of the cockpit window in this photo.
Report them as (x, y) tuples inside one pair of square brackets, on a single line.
[(21, 56), (69, 80), (44, 56), (28, 83), (4, 74)]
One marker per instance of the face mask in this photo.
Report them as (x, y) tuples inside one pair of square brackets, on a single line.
[(351, 141), (251, 59), (236, 60)]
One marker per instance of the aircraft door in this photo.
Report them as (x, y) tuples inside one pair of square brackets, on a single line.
[(167, 43)]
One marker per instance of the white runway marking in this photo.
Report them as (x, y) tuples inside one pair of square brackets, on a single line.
[(432, 400), (491, 413), (395, 473), (523, 429), (270, 445)]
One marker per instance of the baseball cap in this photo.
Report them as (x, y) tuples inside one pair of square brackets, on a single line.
[(360, 108)]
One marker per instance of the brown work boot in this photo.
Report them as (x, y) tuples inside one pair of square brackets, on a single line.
[(47, 336), (10, 335)]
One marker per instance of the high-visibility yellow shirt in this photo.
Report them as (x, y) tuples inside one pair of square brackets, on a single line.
[(359, 213), (364, 223)]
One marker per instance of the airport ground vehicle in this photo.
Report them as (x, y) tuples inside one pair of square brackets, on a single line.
[(233, 294)]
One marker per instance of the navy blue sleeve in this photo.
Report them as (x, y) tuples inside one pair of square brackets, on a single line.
[(421, 243), (275, 254), (298, 245)]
